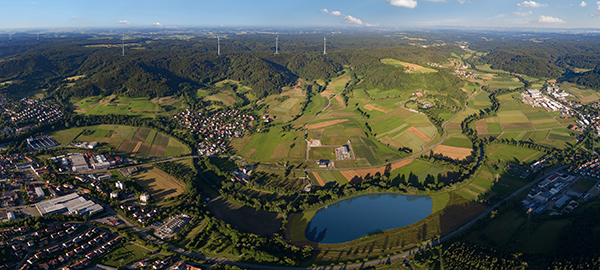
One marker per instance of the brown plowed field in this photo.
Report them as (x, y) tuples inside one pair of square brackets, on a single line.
[(481, 126), (453, 152), (350, 174), (319, 179), (419, 134), (326, 124)]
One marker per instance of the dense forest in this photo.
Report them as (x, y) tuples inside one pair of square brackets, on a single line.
[(156, 68)]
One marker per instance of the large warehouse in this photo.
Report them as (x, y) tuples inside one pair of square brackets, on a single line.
[(73, 203)]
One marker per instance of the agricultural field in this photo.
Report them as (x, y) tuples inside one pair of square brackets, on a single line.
[(512, 154), (323, 177), (417, 170), (125, 140), (159, 184), (457, 147), (402, 128), (400, 64), (580, 93), (113, 104), (273, 146)]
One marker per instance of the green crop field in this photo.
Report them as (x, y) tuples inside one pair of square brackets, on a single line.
[(400, 64), (511, 153), (318, 153), (124, 139), (262, 145), (113, 104), (458, 141), (333, 176)]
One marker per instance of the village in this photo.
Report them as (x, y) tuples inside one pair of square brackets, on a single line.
[(29, 111), (217, 129)]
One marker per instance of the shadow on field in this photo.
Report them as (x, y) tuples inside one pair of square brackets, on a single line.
[(245, 218)]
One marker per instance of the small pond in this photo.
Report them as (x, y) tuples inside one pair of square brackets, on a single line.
[(362, 215)]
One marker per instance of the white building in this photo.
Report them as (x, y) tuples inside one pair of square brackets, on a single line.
[(119, 185), (114, 195), (144, 197)]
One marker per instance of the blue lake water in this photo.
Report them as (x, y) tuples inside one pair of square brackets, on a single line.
[(362, 215)]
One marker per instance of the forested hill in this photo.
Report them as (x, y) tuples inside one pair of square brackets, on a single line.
[(153, 68), (540, 57), (589, 79)]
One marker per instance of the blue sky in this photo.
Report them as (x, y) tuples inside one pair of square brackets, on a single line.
[(285, 13)]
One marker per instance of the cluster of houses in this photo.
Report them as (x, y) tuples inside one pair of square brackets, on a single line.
[(535, 98), (32, 109), (85, 145), (435, 65), (86, 161), (586, 121), (56, 245), (462, 71), (216, 129), (141, 214), (590, 168), (242, 174), (553, 193)]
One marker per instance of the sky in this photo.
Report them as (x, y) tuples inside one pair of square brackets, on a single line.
[(299, 13)]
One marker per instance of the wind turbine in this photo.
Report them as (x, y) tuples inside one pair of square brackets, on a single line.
[(218, 45), (123, 45), (324, 45), (276, 44)]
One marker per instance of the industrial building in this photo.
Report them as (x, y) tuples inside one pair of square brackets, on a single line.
[(73, 203), (40, 143), (78, 163)]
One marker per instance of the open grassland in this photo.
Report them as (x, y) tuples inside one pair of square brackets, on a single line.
[(504, 82), (336, 85), (354, 175), (400, 64), (318, 153), (325, 124), (159, 184), (402, 128), (98, 105), (512, 154), (66, 136), (557, 137), (124, 255)]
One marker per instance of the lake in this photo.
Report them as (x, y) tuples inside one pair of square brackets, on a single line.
[(362, 215)]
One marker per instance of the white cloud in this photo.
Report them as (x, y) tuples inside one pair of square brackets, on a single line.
[(157, 24), (403, 3), (548, 19), (334, 13), (523, 13), (583, 4), (124, 22), (435, 0), (356, 21), (532, 4), (462, 1), (596, 15)]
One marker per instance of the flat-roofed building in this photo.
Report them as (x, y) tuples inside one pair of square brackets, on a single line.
[(79, 163), (73, 203)]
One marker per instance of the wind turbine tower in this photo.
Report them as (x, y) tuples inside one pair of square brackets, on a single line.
[(277, 44), (218, 45), (123, 45), (324, 45), (38, 37), (10, 37)]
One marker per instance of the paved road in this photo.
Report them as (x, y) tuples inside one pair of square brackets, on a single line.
[(132, 166)]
